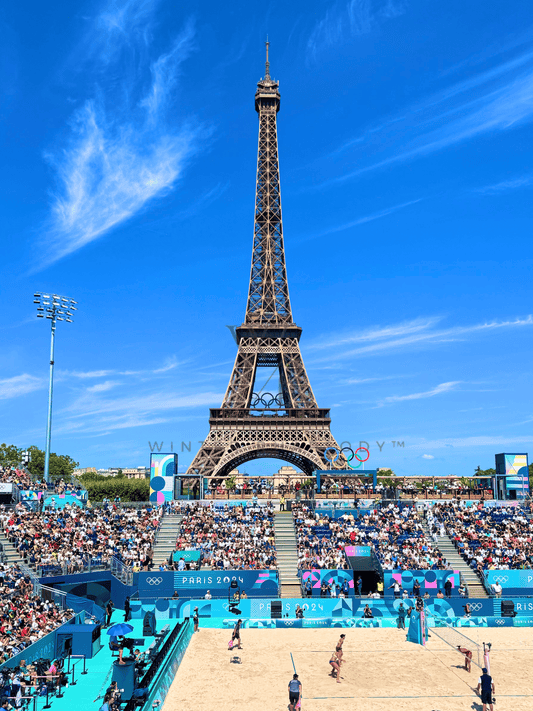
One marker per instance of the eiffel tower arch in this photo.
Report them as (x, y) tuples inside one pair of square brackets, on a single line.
[(287, 425)]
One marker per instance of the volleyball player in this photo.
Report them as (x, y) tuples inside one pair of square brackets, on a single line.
[(468, 657), (336, 662)]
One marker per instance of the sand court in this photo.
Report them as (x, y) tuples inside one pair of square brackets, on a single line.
[(382, 671)]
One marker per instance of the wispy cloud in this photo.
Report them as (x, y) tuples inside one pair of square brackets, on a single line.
[(438, 390), (472, 441), (359, 221), (344, 20), (491, 101), (123, 148), (20, 385), (102, 387), (505, 186), (428, 456), (408, 334), (169, 364)]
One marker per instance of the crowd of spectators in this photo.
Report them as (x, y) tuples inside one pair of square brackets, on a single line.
[(233, 538), (395, 533), (10, 475), (73, 537), (488, 539), (24, 617)]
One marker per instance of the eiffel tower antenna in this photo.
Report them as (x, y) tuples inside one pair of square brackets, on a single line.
[(267, 63), (286, 425)]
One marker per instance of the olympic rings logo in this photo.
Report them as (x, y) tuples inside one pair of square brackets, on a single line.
[(500, 578), (344, 452), (154, 581), (267, 400), (475, 606), (500, 622)]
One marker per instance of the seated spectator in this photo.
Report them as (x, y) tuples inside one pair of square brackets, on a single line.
[(70, 538), (395, 533), (233, 538), (488, 539), (24, 617)]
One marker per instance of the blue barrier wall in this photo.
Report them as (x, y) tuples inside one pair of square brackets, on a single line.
[(431, 581), (163, 681), (326, 612), (97, 586), (259, 583), (513, 582), (447, 609)]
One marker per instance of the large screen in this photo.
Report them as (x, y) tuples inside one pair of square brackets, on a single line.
[(516, 471), (163, 468)]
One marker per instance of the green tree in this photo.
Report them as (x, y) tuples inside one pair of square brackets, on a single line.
[(101, 487), (61, 465), (10, 455), (120, 474), (484, 472)]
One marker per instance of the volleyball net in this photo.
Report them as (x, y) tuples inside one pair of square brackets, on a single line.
[(463, 644)]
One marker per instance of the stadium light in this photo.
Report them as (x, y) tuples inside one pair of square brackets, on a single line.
[(55, 308)]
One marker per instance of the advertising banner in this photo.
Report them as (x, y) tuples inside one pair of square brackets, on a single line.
[(513, 582), (259, 583), (431, 581), (6, 488), (330, 577), (163, 468)]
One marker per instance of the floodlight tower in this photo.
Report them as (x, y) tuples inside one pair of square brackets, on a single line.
[(56, 308)]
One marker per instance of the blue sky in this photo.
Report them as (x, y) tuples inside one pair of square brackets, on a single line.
[(129, 143)]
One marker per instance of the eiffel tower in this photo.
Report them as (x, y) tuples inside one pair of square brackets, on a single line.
[(250, 425)]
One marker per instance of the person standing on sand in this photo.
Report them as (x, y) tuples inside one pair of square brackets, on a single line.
[(338, 648), (236, 636), (336, 661), (485, 685), (295, 692), (196, 619)]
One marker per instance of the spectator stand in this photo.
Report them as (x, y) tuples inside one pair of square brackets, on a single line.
[(493, 538)]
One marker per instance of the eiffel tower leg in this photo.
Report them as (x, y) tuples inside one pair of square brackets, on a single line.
[(239, 392), (295, 376)]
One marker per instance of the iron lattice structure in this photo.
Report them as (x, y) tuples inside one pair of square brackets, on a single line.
[(288, 426)]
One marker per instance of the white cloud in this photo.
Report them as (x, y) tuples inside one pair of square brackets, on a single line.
[(87, 374), (409, 334), (438, 390), (428, 456), (169, 364), (142, 404), (491, 101), (473, 441), (505, 186), (122, 152), (354, 18), (20, 385), (102, 387), (359, 221)]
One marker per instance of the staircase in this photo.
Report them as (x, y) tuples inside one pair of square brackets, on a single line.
[(9, 552), (448, 550), (165, 543), (287, 554)]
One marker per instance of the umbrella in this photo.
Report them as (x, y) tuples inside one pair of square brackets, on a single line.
[(119, 629)]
